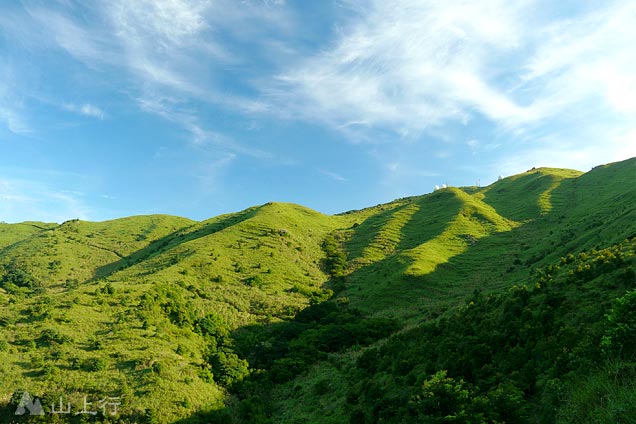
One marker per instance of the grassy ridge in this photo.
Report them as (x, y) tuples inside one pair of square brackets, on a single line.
[(112, 308), (164, 311)]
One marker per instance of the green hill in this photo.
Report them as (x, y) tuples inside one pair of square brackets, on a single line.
[(491, 304)]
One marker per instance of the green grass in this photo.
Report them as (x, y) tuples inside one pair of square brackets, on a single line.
[(124, 295)]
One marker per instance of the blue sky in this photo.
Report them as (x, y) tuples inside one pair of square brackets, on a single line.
[(197, 108)]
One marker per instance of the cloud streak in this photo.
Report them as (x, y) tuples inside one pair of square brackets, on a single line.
[(87, 110), (409, 66), (412, 64), (176, 49), (37, 201), (172, 110), (333, 175), (10, 106)]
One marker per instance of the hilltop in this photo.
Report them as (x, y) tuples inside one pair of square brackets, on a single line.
[(279, 313)]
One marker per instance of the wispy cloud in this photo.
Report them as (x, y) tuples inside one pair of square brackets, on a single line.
[(86, 109), (209, 171), (589, 59), (580, 150), (11, 116), (20, 199), (333, 175), (12, 121), (412, 65), (516, 72), (157, 48), (171, 109)]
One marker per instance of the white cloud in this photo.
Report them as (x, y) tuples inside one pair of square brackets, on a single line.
[(392, 69), (173, 111), (334, 176), (574, 151), (86, 109), (10, 104), (93, 111), (155, 48), (209, 171), (35, 201), (588, 60), (12, 120), (415, 65), (412, 64), (83, 42)]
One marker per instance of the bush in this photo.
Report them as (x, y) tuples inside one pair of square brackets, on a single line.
[(95, 364), (205, 374), (228, 367), (620, 337), (254, 281), (51, 336), (212, 326)]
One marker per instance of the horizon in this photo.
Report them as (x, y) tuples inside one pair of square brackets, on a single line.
[(436, 188), (197, 109)]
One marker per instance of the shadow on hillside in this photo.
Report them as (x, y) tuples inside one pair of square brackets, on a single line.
[(435, 213), (583, 216), (365, 232), (513, 253), (173, 240), (427, 222), (520, 198), (384, 286)]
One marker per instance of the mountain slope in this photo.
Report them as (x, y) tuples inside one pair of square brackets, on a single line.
[(179, 318), (454, 238)]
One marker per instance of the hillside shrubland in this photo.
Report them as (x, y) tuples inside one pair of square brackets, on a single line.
[(514, 302)]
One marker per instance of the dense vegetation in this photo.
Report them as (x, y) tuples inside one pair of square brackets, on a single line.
[(510, 303)]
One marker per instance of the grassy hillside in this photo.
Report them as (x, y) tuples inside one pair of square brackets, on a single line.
[(281, 314), (456, 240), (121, 307)]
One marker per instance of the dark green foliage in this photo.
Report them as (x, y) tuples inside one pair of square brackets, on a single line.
[(71, 283), (51, 336), (213, 327), (15, 276), (227, 367), (173, 301), (336, 261), (286, 350), (500, 354), (205, 374), (254, 281), (289, 348), (108, 289), (619, 340), (442, 399), (95, 364), (223, 365)]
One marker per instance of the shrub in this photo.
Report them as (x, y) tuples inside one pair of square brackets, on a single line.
[(336, 261), (95, 364), (228, 367), (620, 336), (212, 326), (51, 336), (254, 281)]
